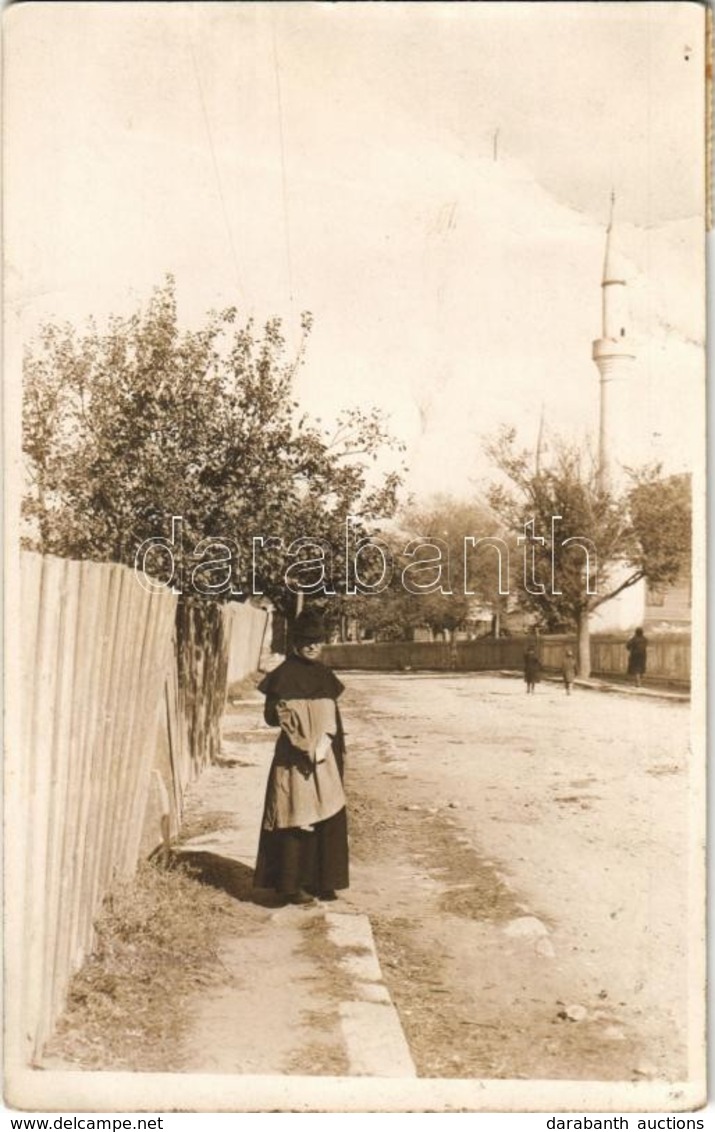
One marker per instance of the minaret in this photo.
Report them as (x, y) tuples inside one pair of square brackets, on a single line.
[(612, 352)]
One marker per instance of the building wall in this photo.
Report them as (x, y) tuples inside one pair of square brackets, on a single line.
[(671, 605), (622, 613)]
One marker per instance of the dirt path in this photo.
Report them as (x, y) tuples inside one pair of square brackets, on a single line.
[(524, 864)]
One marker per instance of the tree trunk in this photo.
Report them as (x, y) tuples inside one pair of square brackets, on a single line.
[(584, 645)]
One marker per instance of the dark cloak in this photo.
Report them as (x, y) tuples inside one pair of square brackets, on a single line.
[(637, 653), (290, 859), (300, 679), (532, 668)]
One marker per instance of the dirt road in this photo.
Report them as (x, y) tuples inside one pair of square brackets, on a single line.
[(525, 864)]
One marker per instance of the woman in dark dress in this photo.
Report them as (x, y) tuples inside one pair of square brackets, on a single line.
[(303, 846), (532, 668), (637, 652)]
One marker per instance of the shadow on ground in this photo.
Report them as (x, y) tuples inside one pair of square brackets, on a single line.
[(225, 873)]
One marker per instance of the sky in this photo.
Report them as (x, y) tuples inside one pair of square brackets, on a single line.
[(431, 180)]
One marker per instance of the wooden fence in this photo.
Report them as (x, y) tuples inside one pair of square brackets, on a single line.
[(437, 656), (668, 655), (248, 629), (95, 657), (216, 647), (121, 702)]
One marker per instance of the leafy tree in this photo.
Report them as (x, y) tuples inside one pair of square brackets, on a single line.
[(471, 575), (661, 514), (640, 534), (388, 616), (437, 528), (126, 427)]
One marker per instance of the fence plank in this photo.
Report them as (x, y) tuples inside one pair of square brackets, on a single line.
[(98, 755), (39, 713), (129, 747), (93, 635), (110, 742), (154, 667), (56, 772), (66, 822)]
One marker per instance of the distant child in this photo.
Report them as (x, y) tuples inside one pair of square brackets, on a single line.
[(568, 670), (532, 668)]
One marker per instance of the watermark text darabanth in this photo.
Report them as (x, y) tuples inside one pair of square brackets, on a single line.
[(368, 565)]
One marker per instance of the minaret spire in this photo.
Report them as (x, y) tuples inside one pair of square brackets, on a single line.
[(612, 352), (613, 268)]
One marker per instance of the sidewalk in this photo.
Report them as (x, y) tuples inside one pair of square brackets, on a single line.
[(595, 685), (304, 991)]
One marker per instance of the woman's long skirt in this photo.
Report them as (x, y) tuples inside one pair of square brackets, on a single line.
[(293, 859), (636, 664)]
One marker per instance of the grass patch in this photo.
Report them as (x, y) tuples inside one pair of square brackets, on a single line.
[(199, 825), (243, 690), (156, 945)]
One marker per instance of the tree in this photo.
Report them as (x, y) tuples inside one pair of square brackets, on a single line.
[(470, 573), (127, 427), (583, 545), (454, 575)]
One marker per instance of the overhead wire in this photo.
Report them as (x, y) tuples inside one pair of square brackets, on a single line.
[(217, 172), (286, 218)]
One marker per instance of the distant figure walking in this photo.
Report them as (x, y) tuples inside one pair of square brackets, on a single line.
[(637, 652), (532, 668), (568, 670)]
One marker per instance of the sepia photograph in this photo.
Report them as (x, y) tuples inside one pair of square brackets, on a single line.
[(355, 621)]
